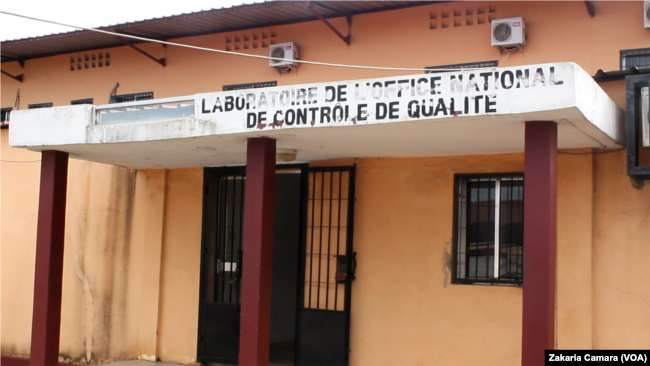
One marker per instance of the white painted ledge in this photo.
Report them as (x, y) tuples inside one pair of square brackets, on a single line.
[(562, 92)]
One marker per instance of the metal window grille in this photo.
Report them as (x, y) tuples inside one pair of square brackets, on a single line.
[(5, 117), (123, 98), (82, 101), (639, 58), (469, 65), (327, 247), (264, 84), (225, 239), (489, 229), (39, 105)]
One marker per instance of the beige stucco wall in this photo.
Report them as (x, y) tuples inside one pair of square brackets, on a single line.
[(132, 254)]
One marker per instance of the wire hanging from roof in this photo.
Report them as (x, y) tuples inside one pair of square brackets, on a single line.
[(236, 53)]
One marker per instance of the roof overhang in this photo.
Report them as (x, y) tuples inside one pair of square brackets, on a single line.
[(227, 19), (454, 113)]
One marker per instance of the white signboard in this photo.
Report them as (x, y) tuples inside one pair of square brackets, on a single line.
[(450, 94)]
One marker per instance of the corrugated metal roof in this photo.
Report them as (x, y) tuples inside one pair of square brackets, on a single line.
[(235, 18), (619, 74)]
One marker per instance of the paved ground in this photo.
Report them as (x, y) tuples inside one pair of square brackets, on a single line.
[(148, 363)]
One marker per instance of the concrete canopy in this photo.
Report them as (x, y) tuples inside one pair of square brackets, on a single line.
[(454, 113)]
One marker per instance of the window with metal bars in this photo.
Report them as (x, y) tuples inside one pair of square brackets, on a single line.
[(124, 98), (81, 101), (469, 65), (5, 117), (638, 57), (489, 229), (39, 105)]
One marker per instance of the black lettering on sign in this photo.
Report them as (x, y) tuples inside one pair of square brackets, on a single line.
[(290, 117), (313, 114), (477, 100), (539, 77), (489, 104), (435, 83), (240, 102), (522, 78), (341, 92), (261, 117), (362, 113), (229, 103), (337, 113), (413, 112), (217, 105), (301, 96), (203, 110), (441, 107), (380, 111), (325, 114), (551, 78), (332, 96), (251, 120), (277, 119), (425, 112), (485, 76), (393, 110), (511, 79), (301, 116)]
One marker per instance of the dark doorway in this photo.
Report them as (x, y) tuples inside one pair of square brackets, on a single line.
[(286, 240), (221, 265), (313, 266)]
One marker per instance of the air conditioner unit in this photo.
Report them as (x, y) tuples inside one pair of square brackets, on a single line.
[(288, 50), (508, 32), (646, 14)]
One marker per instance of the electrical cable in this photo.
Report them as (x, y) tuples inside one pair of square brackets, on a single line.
[(591, 152), (238, 53), (20, 161)]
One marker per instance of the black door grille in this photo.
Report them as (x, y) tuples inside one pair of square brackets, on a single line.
[(327, 267), (221, 267)]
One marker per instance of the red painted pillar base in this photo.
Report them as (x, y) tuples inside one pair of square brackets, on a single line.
[(46, 318), (540, 238), (257, 251)]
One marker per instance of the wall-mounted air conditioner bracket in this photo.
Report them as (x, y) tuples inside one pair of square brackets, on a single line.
[(287, 69), (345, 39), (161, 61), (18, 78), (591, 8), (503, 49), (20, 61)]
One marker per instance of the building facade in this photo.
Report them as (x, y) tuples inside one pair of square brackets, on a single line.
[(411, 185)]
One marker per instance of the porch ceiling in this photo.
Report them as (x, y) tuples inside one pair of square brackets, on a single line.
[(586, 117)]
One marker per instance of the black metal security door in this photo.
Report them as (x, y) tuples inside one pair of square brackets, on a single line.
[(327, 264), (221, 257)]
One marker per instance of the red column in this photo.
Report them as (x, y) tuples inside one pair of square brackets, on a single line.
[(46, 318), (258, 250), (540, 237)]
